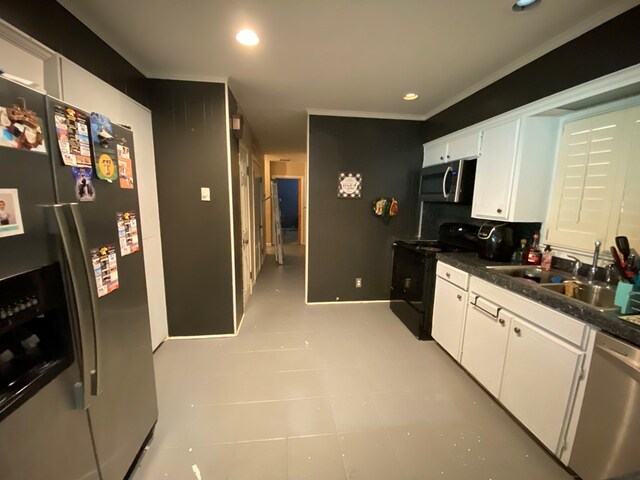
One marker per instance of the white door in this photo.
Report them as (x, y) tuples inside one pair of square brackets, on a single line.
[(258, 217), (464, 147), (494, 172), (448, 316), (538, 381), (246, 224), (485, 345)]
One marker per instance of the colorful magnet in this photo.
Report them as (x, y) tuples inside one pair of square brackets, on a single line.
[(83, 182), (125, 167), (105, 269)]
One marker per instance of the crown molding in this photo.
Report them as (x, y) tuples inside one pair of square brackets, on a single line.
[(359, 114), (17, 37), (191, 78), (613, 10)]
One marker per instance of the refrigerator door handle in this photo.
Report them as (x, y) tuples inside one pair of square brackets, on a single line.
[(82, 394), (96, 386)]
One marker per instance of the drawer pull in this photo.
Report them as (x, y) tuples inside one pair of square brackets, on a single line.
[(448, 275), (501, 321), (518, 331), (459, 297)]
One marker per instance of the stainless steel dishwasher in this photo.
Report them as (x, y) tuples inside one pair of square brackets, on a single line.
[(607, 443)]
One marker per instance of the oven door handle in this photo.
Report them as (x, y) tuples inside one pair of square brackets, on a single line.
[(444, 182)]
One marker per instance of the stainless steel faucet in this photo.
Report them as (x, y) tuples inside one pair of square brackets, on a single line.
[(576, 265), (594, 264)]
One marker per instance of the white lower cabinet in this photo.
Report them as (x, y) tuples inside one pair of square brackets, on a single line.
[(485, 343), (448, 316), (530, 357), (540, 372)]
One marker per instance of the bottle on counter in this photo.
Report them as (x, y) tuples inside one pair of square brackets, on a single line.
[(518, 255), (533, 255), (547, 258)]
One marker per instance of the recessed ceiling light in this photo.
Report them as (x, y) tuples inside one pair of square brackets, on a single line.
[(247, 37), (411, 96), (522, 5)]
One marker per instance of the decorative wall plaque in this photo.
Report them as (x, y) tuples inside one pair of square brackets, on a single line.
[(349, 185)]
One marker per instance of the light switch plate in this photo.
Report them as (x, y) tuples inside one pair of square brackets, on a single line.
[(205, 194)]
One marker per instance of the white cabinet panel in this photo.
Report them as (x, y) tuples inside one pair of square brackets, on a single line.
[(539, 379), (434, 154), (485, 345), (448, 316), (467, 146), (494, 172)]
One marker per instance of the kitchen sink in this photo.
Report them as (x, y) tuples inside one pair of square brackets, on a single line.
[(598, 296), (532, 273)]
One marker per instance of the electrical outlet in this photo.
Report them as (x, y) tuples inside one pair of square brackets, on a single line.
[(358, 282), (205, 194)]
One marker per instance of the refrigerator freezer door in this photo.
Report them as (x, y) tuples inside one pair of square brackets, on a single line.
[(47, 438), (125, 408)]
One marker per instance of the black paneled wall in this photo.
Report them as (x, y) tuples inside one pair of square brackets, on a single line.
[(612, 46), (346, 239), (189, 132)]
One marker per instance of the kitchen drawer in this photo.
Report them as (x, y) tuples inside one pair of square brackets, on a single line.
[(453, 275), (567, 328)]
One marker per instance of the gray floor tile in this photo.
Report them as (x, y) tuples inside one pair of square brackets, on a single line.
[(315, 458), (327, 392)]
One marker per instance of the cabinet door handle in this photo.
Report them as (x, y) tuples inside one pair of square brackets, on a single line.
[(448, 275), (518, 331), (499, 210), (501, 321), (459, 297), (441, 158)]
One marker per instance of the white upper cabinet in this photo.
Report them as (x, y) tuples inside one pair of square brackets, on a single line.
[(452, 147), (465, 146), (494, 172), (434, 153), (514, 170), (595, 188)]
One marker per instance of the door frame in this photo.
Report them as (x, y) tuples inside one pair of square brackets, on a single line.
[(257, 217), (301, 217), (245, 222)]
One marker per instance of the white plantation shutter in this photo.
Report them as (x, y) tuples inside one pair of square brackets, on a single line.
[(627, 220), (590, 159)]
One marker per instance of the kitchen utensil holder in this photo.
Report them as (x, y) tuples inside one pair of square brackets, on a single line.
[(628, 298)]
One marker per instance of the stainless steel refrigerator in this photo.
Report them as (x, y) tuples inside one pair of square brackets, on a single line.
[(77, 390)]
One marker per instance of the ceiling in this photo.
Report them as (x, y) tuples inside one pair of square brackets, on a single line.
[(342, 55)]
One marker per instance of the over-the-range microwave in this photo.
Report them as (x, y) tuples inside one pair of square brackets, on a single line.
[(450, 182)]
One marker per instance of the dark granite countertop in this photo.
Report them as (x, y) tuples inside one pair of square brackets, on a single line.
[(609, 322)]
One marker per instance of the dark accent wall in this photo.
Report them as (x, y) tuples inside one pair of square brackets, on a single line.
[(51, 24), (346, 239), (610, 47), (189, 133), (237, 213)]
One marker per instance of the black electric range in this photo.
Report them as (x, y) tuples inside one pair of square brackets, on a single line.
[(413, 277)]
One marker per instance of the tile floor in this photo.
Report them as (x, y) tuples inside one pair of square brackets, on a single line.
[(327, 392)]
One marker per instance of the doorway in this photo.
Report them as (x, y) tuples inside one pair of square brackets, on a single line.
[(290, 200)]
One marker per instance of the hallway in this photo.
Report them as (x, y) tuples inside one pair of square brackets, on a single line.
[(327, 392)]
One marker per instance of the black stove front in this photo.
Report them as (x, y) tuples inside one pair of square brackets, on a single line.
[(411, 288), (413, 276)]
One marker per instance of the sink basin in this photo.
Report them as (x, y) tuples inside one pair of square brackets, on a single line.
[(532, 273), (598, 296)]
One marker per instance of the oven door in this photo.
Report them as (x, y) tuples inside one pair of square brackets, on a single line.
[(411, 293)]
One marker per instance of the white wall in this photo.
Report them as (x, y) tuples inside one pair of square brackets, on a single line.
[(83, 90)]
